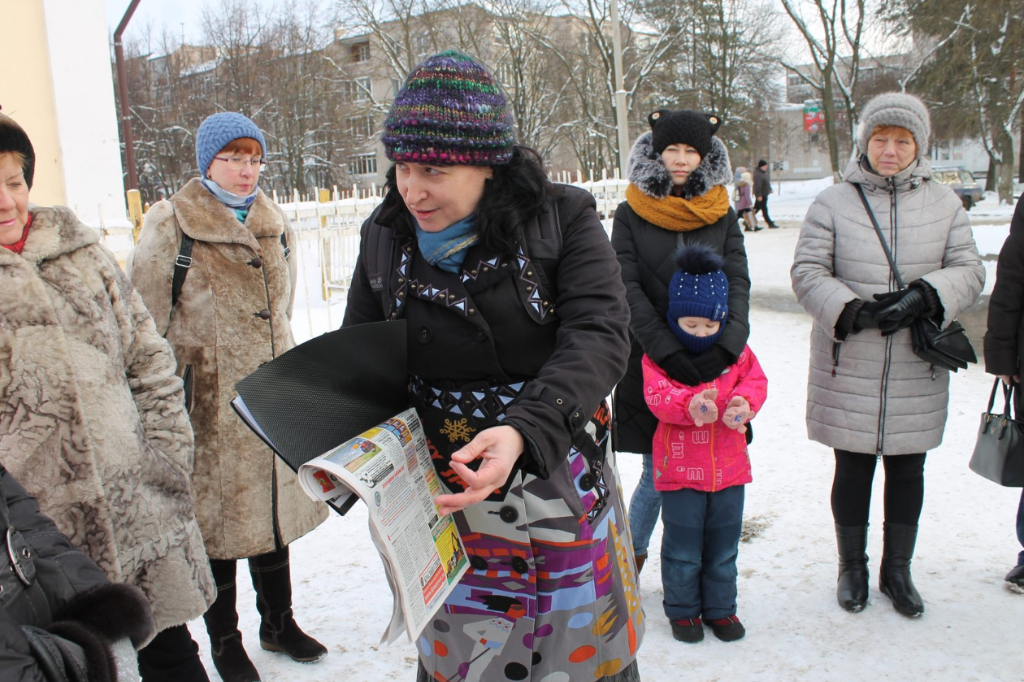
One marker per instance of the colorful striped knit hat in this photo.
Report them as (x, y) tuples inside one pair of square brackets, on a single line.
[(450, 112)]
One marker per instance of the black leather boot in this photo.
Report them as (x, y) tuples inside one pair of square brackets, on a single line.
[(894, 579), (229, 655), (852, 585), (271, 577)]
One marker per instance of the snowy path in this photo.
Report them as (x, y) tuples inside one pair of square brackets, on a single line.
[(970, 631)]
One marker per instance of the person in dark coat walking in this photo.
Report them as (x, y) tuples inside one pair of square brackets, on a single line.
[(762, 188), (60, 618), (1004, 341), (518, 329), (676, 197)]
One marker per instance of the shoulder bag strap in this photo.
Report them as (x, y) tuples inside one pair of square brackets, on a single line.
[(181, 265), (881, 237)]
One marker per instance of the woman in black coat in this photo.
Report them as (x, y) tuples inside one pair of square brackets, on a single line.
[(676, 197), (1004, 341), (517, 330), (61, 618)]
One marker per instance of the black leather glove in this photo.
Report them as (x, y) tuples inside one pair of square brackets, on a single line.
[(900, 310), (681, 369), (866, 316), (711, 363)]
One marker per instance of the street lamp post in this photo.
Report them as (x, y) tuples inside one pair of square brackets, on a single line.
[(620, 92)]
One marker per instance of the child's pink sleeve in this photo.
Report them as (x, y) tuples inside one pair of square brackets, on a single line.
[(668, 400), (753, 384)]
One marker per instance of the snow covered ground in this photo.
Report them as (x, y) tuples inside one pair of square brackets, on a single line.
[(971, 629)]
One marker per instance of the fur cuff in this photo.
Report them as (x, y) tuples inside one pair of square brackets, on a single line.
[(113, 612), (648, 173), (99, 659)]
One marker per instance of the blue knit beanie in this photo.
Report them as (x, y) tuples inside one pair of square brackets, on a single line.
[(698, 289), (217, 131)]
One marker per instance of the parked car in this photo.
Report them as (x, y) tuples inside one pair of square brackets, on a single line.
[(962, 182)]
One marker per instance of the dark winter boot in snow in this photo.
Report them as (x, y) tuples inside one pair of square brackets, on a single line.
[(689, 630), (852, 586), (894, 578), (271, 577), (1015, 578), (728, 629), (229, 655)]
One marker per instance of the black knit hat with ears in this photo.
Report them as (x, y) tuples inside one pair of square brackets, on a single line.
[(14, 139), (683, 127)]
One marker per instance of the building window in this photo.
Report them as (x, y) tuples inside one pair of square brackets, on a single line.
[(360, 52), (360, 126), (421, 45), (363, 164), (363, 88), (396, 87)]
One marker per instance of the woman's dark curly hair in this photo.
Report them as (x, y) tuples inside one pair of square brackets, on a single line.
[(517, 192)]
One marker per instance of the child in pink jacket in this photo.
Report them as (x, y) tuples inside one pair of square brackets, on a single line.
[(700, 456)]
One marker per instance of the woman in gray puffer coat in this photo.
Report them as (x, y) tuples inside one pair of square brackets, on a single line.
[(868, 394)]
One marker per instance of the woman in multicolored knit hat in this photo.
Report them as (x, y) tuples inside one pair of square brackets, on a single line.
[(676, 197), (518, 329)]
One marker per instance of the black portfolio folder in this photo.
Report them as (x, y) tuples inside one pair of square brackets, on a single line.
[(327, 390)]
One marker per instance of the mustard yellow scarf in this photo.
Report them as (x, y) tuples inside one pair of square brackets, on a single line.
[(676, 213)]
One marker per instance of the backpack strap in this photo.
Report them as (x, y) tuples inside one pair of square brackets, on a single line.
[(181, 265)]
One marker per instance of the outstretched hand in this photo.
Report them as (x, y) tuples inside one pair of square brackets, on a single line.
[(499, 447), (737, 414), (702, 407)]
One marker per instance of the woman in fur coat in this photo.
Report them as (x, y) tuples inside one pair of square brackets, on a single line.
[(676, 197), (225, 314), (92, 419)]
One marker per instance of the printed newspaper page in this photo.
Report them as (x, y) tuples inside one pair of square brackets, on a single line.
[(389, 468)]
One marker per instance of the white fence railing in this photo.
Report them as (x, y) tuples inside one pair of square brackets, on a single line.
[(328, 222)]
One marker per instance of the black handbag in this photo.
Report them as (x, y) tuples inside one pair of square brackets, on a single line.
[(999, 452), (948, 348)]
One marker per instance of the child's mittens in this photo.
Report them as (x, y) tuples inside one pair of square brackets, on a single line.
[(737, 414), (702, 407)]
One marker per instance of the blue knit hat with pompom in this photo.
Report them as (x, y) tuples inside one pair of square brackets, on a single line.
[(699, 288)]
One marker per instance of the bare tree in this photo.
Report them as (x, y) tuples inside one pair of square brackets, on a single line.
[(836, 57)]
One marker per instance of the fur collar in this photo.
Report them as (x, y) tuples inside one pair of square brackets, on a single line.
[(649, 174), (202, 217), (55, 230)]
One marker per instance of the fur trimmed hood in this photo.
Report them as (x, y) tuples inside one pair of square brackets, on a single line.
[(648, 173)]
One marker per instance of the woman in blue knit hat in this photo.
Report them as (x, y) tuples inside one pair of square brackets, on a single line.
[(700, 457), (517, 324), (213, 267)]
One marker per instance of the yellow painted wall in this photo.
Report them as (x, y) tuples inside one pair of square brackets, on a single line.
[(26, 94)]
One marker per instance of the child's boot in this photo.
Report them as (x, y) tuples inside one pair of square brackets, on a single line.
[(728, 629), (689, 630)]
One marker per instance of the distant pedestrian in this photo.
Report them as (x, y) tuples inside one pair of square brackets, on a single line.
[(1004, 344), (744, 199), (869, 397), (701, 464), (676, 197), (762, 188)]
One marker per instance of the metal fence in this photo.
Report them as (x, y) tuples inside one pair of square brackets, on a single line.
[(328, 222)]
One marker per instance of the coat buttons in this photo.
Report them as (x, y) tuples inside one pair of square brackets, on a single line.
[(479, 563), (479, 334), (519, 565), (424, 334), (588, 481), (256, 262), (263, 314), (508, 514)]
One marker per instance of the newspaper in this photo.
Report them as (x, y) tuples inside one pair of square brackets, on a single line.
[(389, 468)]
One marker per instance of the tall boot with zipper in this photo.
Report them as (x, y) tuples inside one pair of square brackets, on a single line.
[(271, 578), (229, 655), (894, 579), (852, 585)]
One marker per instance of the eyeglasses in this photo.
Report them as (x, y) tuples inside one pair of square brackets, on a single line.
[(238, 163)]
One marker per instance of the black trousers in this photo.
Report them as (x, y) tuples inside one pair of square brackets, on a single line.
[(762, 206), (851, 488)]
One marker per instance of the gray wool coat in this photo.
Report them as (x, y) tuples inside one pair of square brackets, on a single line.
[(870, 393)]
